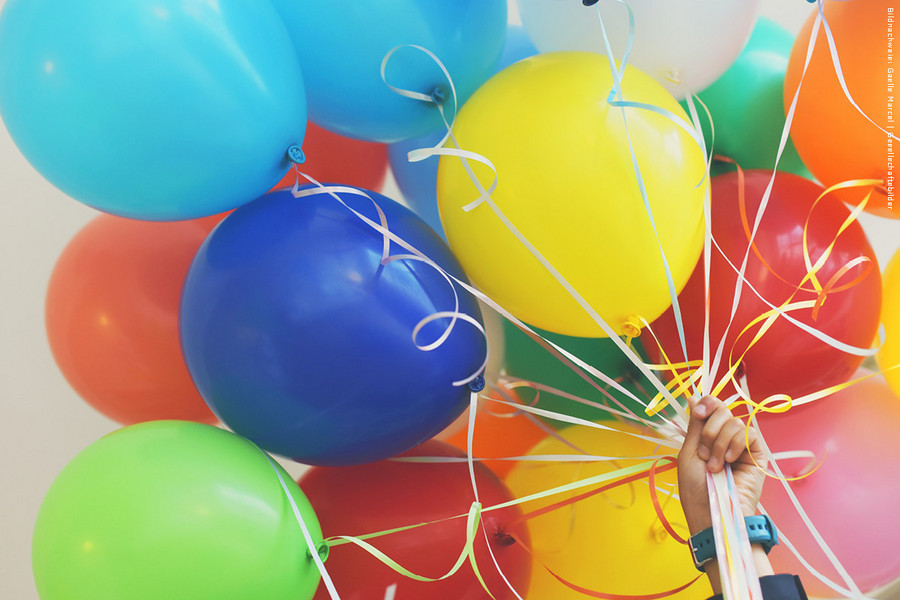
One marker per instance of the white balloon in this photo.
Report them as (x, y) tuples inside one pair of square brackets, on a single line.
[(684, 44)]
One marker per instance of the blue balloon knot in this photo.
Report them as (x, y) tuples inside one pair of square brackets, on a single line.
[(295, 154), (438, 95)]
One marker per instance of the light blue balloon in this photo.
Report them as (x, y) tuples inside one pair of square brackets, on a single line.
[(418, 181), (341, 46), (518, 46), (152, 109)]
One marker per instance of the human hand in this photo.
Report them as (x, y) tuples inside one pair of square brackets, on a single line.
[(716, 437)]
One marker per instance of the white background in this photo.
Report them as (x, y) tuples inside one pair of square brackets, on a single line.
[(43, 423)]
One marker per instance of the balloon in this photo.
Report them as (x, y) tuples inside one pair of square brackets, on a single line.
[(151, 109), (567, 183), (301, 340), (337, 159), (852, 498), (418, 181), (786, 359), (501, 431), (610, 542), (683, 44), (341, 48), (172, 509), (517, 46), (112, 317), (526, 359), (834, 140), (746, 103), (387, 494), (889, 355)]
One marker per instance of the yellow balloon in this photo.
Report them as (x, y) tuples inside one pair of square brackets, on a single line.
[(566, 182), (889, 355), (612, 542)]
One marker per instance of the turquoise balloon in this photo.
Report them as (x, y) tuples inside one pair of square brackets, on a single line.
[(747, 105), (173, 509), (152, 109), (341, 46)]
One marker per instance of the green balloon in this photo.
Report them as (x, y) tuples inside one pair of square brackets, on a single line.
[(171, 510), (526, 359), (747, 105)]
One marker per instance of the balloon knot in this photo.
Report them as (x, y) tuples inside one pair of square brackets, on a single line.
[(504, 539), (674, 76), (477, 384), (322, 550), (632, 327), (295, 155), (438, 95)]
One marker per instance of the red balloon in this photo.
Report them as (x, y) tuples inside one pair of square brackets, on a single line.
[(112, 317), (384, 495), (333, 158), (852, 497), (786, 359)]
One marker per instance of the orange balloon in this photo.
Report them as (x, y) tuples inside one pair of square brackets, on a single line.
[(834, 140), (333, 158), (500, 431), (112, 317)]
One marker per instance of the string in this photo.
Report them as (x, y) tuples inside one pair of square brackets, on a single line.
[(312, 549)]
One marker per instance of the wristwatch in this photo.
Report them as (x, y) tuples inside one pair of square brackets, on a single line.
[(760, 530)]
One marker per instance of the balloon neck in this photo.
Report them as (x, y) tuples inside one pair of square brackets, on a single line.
[(295, 155), (632, 327), (323, 550), (439, 95), (477, 384), (674, 76), (504, 539), (593, 2)]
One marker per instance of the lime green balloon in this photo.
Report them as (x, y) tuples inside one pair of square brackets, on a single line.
[(171, 510), (747, 104), (526, 359)]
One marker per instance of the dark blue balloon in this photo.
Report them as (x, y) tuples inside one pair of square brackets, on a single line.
[(301, 340)]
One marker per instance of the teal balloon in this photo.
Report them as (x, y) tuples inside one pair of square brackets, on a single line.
[(526, 359), (173, 509), (152, 109), (747, 104), (341, 46)]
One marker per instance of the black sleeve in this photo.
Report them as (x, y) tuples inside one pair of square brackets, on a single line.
[(778, 587)]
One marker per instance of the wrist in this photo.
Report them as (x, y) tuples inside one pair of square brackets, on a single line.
[(697, 519), (759, 530)]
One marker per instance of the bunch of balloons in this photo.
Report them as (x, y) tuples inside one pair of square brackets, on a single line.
[(563, 174)]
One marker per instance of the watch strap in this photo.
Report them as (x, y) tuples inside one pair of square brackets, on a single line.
[(760, 530)]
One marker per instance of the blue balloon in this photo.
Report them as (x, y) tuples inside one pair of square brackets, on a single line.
[(341, 46), (152, 109), (418, 181), (301, 340)]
